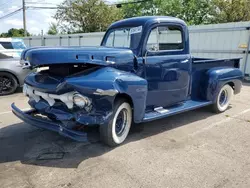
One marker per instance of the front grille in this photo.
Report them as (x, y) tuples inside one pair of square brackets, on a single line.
[(66, 98)]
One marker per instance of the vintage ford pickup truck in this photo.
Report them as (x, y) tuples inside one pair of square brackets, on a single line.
[(142, 71)]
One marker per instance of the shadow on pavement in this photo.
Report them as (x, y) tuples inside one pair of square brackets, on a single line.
[(246, 83), (22, 142)]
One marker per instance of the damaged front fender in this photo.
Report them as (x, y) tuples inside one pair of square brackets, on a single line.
[(103, 85)]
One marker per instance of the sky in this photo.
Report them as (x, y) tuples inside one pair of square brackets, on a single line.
[(36, 20)]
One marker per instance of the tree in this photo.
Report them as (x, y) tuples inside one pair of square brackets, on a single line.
[(76, 16), (232, 10), (13, 32), (140, 8), (53, 29), (192, 11)]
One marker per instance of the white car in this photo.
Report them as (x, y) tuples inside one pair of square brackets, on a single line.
[(11, 73)]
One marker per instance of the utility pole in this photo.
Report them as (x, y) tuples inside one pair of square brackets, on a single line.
[(42, 39), (24, 19)]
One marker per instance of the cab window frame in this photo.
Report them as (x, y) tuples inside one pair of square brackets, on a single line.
[(164, 52)]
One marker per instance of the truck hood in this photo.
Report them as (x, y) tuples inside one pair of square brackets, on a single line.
[(42, 56)]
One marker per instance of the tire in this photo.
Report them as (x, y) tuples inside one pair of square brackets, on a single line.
[(8, 83), (116, 131), (223, 99)]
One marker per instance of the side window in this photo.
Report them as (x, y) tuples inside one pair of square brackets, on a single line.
[(165, 38), (6, 45)]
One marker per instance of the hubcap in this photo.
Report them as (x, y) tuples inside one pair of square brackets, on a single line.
[(6, 84), (223, 98), (121, 122)]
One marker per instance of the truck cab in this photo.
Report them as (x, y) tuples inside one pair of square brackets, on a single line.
[(161, 46), (142, 71)]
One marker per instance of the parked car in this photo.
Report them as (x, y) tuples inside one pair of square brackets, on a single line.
[(11, 72), (142, 71)]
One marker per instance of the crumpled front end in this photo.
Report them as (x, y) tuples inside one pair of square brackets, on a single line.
[(67, 104), (66, 113), (72, 109), (80, 100)]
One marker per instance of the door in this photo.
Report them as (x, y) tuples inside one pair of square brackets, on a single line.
[(168, 66)]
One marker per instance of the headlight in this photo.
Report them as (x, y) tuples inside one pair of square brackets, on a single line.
[(80, 100)]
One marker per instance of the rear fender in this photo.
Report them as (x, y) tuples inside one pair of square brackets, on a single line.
[(219, 76)]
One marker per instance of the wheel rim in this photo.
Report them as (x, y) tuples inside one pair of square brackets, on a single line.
[(121, 122), (6, 84), (223, 98)]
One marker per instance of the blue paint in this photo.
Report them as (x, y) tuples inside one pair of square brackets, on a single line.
[(219, 76), (168, 77), (74, 55), (172, 79)]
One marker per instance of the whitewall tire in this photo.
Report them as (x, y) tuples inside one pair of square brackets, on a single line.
[(223, 99), (116, 131)]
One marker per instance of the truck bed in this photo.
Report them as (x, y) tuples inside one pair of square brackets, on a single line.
[(199, 68), (203, 63)]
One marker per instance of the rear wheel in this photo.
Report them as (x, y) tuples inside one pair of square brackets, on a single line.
[(223, 99), (116, 131), (8, 83)]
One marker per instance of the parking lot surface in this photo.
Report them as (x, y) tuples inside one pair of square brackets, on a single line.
[(193, 149)]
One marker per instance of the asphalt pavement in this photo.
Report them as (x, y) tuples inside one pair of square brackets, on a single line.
[(193, 149)]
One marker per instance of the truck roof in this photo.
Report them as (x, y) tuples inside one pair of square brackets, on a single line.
[(143, 20)]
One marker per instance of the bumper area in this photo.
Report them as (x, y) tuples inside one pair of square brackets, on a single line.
[(47, 124)]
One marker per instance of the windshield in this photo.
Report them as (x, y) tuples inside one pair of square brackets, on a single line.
[(18, 45), (12, 45), (124, 37)]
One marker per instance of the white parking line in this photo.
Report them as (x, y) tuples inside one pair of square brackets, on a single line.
[(7, 112), (227, 119)]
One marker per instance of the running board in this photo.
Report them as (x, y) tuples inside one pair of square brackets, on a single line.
[(161, 112)]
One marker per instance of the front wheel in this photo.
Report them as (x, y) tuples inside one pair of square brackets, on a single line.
[(223, 99), (116, 131)]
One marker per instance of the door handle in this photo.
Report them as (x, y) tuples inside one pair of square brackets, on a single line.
[(185, 61)]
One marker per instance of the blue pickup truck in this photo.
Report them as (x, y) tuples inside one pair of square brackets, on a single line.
[(142, 71)]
